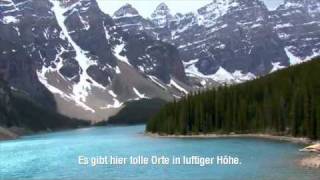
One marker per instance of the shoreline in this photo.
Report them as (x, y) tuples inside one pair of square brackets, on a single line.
[(311, 159), (297, 140), (13, 133)]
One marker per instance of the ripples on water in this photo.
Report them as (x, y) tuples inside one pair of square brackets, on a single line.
[(55, 156)]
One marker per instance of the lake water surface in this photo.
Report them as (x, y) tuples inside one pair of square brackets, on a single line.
[(55, 156)]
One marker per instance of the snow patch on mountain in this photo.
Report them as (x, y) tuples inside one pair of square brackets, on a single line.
[(276, 66), (85, 23), (221, 75), (117, 52), (241, 77), (9, 20), (297, 60), (157, 82), (291, 4), (117, 70), (280, 26), (177, 86), (69, 97), (116, 104), (215, 10), (81, 89), (293, 59), (140, 95), (112, 93)]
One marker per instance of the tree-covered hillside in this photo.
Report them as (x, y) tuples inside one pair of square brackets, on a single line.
[(135, 112), (286, 102), (17, 109)]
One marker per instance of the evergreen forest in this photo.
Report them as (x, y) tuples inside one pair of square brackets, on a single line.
[(286, 102)]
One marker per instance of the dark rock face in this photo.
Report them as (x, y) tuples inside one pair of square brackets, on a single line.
[(152, 57), (297, 23), (18, 58)]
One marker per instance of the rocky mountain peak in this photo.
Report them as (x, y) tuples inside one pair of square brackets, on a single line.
[(126, 11), (162, 8), (161, 16)]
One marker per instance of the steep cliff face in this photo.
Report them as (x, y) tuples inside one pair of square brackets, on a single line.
[(18, 57)]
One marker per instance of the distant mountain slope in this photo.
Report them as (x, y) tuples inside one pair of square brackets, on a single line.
[(136, 112), (18, 110), (286, 102)]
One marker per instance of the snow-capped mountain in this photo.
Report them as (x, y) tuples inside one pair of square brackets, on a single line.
[(89, 64), (129, 19), (233, 35), (241, 39), (161, 17), (92, 62)]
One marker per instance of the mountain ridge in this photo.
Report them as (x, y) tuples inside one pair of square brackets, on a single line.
[(217, 10)]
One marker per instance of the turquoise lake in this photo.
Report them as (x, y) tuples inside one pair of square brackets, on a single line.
[(55, 156)]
